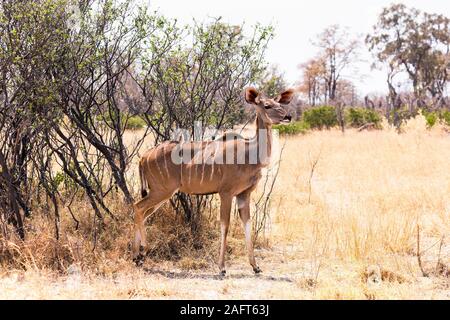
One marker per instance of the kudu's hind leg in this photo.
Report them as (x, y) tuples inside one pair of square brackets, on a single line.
[(140, 236), (225, 208), (243, 201), (142, 210)]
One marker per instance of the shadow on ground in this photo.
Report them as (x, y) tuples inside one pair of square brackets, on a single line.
[(210, 276)]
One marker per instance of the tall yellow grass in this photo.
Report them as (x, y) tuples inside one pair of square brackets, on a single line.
[(369, 190)]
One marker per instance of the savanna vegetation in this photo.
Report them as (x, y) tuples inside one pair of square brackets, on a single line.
[(355, 204)]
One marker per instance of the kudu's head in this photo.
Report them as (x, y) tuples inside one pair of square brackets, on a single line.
[(269, 110)]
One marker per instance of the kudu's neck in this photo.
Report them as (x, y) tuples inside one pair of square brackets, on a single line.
[(262, 142)]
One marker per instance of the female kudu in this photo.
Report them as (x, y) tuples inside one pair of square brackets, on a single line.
[(228, 166)]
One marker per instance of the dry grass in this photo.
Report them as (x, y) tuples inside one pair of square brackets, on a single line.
[(347, 230)]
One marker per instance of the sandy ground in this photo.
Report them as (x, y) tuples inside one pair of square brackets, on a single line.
[(285, 276)]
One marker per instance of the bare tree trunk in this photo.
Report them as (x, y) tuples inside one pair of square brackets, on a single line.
[(340, 114), (13, 197)]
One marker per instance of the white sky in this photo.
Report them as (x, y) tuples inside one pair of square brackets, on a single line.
[(296, 24)]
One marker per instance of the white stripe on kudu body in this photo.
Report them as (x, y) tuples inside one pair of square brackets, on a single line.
[(231, 175), (166, 165), (157, 161)]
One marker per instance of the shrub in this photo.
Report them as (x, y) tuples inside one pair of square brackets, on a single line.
[(131, 123), (64, 183), (431, 119), (357, 117), (292, 128), (320, 117), (135, 123), (445, 117)]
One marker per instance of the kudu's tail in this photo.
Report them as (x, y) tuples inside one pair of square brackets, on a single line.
[(144, 184)]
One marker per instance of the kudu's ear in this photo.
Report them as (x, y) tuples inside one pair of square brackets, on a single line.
[(285, 97), (251, 95)]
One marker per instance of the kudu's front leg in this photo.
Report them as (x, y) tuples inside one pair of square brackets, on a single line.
[(225, 209), (243, 202)]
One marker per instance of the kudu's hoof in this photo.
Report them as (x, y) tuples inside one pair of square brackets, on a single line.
[(222, 273), (257, 270), (139, 260)]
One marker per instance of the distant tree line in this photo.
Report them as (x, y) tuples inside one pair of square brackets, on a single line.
[(406, 42)]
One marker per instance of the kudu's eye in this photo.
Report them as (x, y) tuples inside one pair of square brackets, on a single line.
[(267, 107)]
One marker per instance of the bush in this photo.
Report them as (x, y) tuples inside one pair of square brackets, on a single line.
[(292, 128), (445, 117), (130, 122), (320, 117), (134, 123), (357, 117), (431, 119)]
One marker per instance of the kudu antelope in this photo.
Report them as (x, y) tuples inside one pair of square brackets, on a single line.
[(206, 172)]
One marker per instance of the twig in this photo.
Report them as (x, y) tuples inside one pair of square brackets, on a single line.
[(439, 263), (313, 164), (369, 125), (419, 258)]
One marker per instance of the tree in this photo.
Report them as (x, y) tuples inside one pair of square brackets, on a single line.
[(202, 83), (96, 61), (67, 94), (61, 93), (28, 44), (338, 52), (272, 82), (312, 83), (414, 42), (347, 93)]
